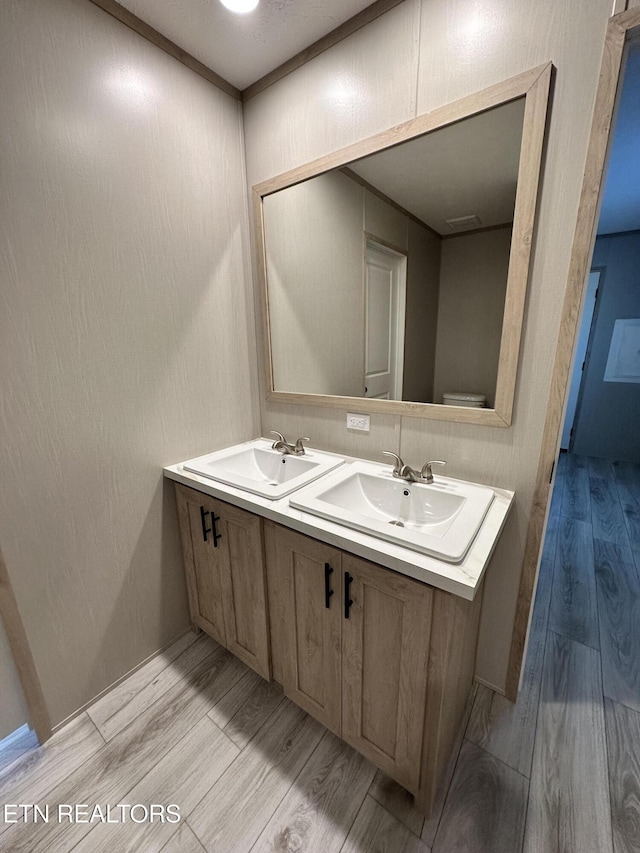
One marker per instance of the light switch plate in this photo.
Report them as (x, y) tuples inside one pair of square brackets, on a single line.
[(360, 422)]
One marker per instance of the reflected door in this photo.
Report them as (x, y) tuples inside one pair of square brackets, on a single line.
[(385, 296)]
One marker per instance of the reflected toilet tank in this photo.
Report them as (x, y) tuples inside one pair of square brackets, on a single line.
[(463, 398)]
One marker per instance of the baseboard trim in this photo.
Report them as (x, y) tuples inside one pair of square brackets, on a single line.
[(491, 686), (23, 658), (122, 678)]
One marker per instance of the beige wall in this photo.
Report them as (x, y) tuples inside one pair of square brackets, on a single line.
[(126, 330), (423, 277), (314, 237), (385, 222), (314, 258), (13, 711), (421, 55), (473, 284), (422, 248)]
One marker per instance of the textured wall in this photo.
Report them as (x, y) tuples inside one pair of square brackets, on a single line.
[(314, 258), (421, 308), (421, 325), (13, 711), (315, 263), (473, 283), (607, 420), (126, 330), (419, 56)]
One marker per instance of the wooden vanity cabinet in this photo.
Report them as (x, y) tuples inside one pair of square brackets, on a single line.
[(222, 547), (382, 660), (385, 658), (305, 619), (390, 673)]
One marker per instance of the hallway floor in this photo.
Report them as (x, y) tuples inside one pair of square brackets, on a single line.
[(558, 771)]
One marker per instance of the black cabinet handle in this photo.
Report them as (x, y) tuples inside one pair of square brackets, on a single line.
[(203, 516), (328, 592), (206, 530), (216, 535), (347, 601)]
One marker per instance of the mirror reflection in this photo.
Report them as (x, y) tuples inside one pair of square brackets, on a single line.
[(387, 278)]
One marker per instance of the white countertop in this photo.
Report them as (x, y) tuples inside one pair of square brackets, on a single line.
[(461, 579)]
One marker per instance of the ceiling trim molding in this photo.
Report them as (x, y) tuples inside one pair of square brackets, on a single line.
[(148, 32), (375, 191), (352, 25), (366, 16), (479, 230)]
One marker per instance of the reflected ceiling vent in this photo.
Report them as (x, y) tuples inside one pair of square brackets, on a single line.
[(463, 223)]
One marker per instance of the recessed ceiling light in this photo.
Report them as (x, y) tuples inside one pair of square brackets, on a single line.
[(240, 6)]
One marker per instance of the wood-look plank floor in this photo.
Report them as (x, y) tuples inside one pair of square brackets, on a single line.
[(486, 805), (558, 772), (576, 499), (16, 745), (573, 610), (619, 605), (623, 737), (627, 480), (569, 805)]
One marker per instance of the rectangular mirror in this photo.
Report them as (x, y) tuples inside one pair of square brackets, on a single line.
[(394, 272)]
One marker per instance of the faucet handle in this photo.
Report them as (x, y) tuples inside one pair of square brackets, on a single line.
[(399, 464), (427, 473), (279, 437), (300, 447)]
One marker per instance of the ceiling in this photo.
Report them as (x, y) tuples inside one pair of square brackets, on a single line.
[(469, 167), (243, 48), (620, 209)]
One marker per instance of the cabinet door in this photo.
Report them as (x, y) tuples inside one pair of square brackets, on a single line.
[(202, 562), (305, 631), (242, 576), (385, 650), (224, 564)]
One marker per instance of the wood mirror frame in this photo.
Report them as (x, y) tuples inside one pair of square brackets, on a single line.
[(534, 86)]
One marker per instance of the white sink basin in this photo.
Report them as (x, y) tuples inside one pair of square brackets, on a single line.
[(440, 519), (255, 467)]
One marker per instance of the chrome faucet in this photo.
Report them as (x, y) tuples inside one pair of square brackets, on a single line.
[(426, 474), (399, 467), (285, 447), (405, 472)]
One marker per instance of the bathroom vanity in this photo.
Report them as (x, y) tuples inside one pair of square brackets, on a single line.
[(374, 640)]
